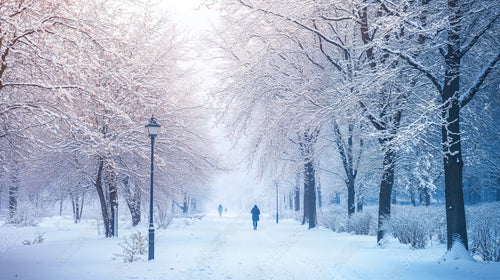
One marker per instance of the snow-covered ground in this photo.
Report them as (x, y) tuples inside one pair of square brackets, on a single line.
[(223, 248)]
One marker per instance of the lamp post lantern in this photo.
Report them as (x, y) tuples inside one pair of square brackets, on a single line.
[(153, 129)]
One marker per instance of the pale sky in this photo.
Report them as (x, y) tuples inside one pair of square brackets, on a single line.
[(190, 14), (238, 189)]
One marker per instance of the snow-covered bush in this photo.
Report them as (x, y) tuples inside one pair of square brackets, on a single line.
[(26, 214), (39, 238), (163, 217), (360, 223), (484, 231), (440, 231), (334, 217), (133, 247), (412, 225)]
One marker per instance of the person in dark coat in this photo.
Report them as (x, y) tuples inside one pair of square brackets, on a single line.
[(220, 210), (255, 216)]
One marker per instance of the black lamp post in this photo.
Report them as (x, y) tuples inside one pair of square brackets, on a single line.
[(153, 128)]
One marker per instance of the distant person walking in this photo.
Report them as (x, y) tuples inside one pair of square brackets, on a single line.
[(220, 210), (255, 216)]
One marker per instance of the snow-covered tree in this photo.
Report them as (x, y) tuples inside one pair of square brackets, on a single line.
[(85, 81), (457, 55)]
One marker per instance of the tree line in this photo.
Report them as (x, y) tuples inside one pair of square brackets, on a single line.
[(393, 79), (78, 82)]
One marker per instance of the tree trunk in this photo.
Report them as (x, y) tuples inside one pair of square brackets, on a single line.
[(77, 203), (427, 198), (309, 195), (388, 124), (453, 168), (307, 151), (76, 209), (297, 198), (360, 205), (413, 199), (305, 201), (455, 209), (350, 197), (13, 195), (133, 199), (100, 192), (113, 196), (350, 165), (319, 193), (360, 195), (134, 207), (185, 204), (81, 206), (194, 205), (450, 129), (384, 208)]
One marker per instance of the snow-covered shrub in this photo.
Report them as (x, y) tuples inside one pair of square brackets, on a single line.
[(439, 229), (39, 238), (163, 217), (360, 223), (133, 247), (26, 214), (411, 225), (435, 216), (484, 231), (334, 217)]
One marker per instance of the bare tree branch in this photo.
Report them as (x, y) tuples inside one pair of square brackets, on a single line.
[(328, 57), (313, 30), (466, 97), (478, 36), (378, 124), (44, 86), (435, 81)]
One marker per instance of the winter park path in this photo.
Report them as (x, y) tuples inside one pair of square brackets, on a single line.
[(226, 248)]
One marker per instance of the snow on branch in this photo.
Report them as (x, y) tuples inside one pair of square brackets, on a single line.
[(386, 8), (478, 36), (376, 123), (17, 106), (44, 86), (328, 57), (435, 81), (313, 30), (338, 18), (20, 10), (465, 98), (342, 150)]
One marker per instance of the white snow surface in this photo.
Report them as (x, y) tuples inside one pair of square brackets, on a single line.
[(223, 248)]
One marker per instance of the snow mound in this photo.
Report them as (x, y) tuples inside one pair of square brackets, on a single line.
[(458, 253)]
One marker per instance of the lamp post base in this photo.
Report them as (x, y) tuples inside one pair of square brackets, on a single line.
[(151, 250)]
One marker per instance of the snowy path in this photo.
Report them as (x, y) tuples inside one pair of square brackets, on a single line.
[(238, 252), (226, 248)]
